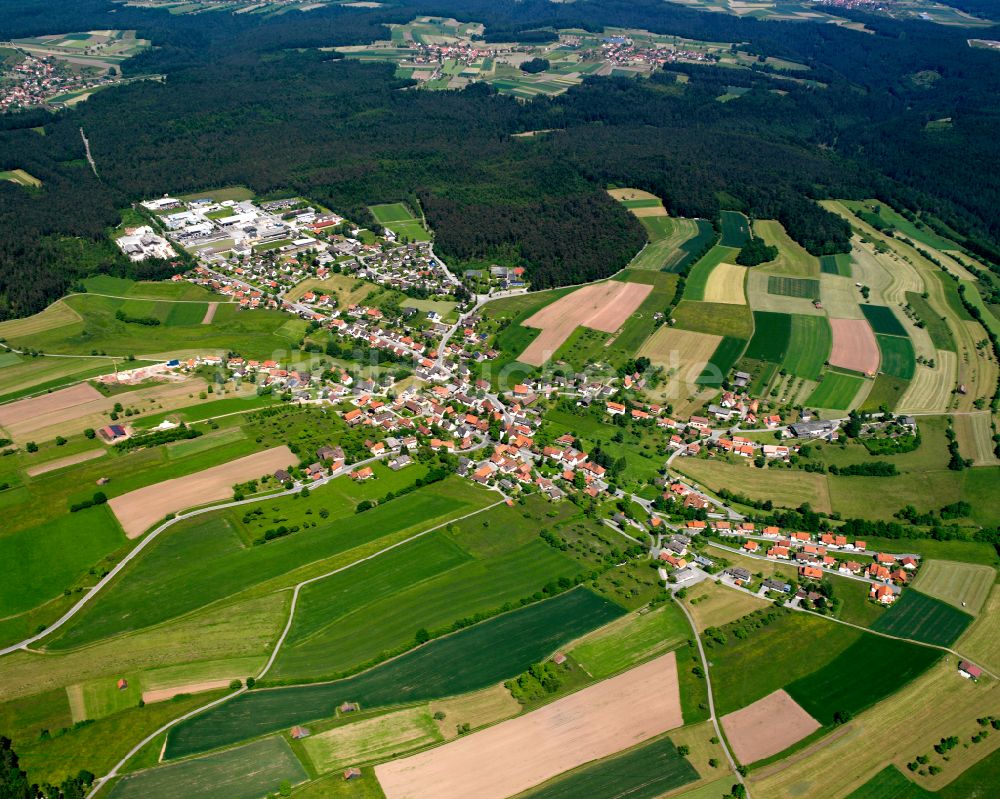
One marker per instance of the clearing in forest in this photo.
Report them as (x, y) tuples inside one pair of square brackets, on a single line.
[(515, 755), (600, 306)]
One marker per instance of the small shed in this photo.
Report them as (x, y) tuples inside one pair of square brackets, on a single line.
[(122, 684), (349, 707), (352, 773), (558, 658), (298, 733)]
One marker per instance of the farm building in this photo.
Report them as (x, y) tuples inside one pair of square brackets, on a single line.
[(298, 733), (969, 670), (352, 773)]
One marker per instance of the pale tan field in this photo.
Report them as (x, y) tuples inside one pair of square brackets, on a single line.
[(599, 306), (631, 194), (654, 210), (56, 315), (930, 389), (138, 510), (937, 704), (975, 438), (477, 709), (511, 757), (210, 313), (761, 300), (725, 284), (713, 605), (698, 738), (60, 463), (890, 274), (72, 410), (163, 694), (840, 297), (981, 641), (964, 585), (766, 727), (683, 355), (854, 345)]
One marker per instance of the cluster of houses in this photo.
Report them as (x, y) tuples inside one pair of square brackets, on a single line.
[(34, 81), (623, 51)]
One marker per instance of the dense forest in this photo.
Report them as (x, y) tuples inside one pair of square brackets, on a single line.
[(246, 100)]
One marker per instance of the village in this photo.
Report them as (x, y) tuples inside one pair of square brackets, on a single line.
[(32, 81)]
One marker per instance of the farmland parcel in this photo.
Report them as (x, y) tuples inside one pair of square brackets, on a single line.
[(601, 306), (139, 509), (766, 727), (517, 754), (854, 346)]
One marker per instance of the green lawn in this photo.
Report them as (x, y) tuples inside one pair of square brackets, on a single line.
[(809, 346), (726, 354), (890, 783), (883, 320), (836, 390), (898, 358), (630, 640), (697, 279), (935, 325), (887, 390), (246, 772), (855, 607), (735, 228), (647, 771), (866, 672), (400, 220), (470, 659), (923, 618), (806, 288), (771, 336), (839, 264)]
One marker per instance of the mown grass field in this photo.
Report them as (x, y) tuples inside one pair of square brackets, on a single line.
[(786, 488), (964, 585), (771, 336), (697, 279), (886, 390), (726, 354), (468, 660), (370, 740), (898, 358), (861, 675), (631, 640), (890, 783), (673, 243), (713, 605), (400, 220), (647, 771), (981, 640), (835, 390), (208, 558), (923, 618), (792, 260), (246, 772), (809, 346)]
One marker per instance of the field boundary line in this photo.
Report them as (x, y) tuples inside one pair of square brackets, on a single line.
[(101, 781)]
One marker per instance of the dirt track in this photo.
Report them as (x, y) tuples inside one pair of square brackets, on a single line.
[(210, 313), (515, 755), (766, 727), (600, 306), (163, 694), (69, 460), (139, 509), (854, 346)]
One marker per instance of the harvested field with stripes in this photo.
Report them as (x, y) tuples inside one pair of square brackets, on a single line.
[(599, 306), (897, 356), (805, 288), (515, 755), (792, 258), (931, 389), (725, 285), (854, 346), (837, 391), (58, 314), (761, 299), (975, 438), (808, 346)]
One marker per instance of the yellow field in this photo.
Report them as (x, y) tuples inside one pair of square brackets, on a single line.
[(786, 488), (374, 739), (975, 438), (698, 738), (981, 641), (682, 354), (654, 210), (477, 709), (840, 297), (937, 704), (725, 284), (22, 177), (58, 314), (713, 605), (347, 290), (930, 389), (965, 585), (792, 258)]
